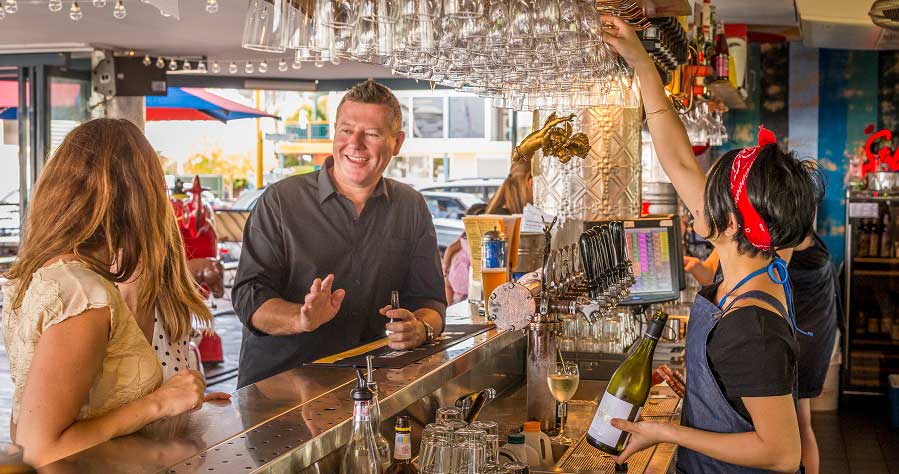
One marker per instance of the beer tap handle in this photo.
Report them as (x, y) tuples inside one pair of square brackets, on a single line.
[(587, 261)]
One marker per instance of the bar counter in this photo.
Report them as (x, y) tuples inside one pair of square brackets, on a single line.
[(298, 421)]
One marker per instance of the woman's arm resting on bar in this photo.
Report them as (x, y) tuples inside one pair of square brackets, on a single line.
[(68, 358), (773, 446)]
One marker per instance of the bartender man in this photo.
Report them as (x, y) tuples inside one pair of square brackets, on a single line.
[(322, 251)]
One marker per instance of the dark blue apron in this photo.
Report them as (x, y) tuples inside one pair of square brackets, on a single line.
[(818, 309), (705, 406)]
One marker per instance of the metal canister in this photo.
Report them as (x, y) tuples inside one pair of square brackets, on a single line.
[(494, 249)]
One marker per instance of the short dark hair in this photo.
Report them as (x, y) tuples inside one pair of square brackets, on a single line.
[(370, 92), (781, 189)]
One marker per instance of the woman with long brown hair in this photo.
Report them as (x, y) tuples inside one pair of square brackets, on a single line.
[(83, 368), (516, 192)]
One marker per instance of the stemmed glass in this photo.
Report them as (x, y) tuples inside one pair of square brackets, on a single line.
[(563, 379)]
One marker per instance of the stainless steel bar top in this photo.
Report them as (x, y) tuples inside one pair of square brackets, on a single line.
[(285, 423)]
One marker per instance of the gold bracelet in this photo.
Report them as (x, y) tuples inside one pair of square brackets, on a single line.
[(649, 115)]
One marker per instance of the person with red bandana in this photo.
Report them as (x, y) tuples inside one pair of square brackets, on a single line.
[(755, 205)]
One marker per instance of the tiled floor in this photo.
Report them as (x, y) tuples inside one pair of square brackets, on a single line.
[(857, 439)]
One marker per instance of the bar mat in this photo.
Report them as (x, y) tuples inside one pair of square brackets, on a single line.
[(387, 358)]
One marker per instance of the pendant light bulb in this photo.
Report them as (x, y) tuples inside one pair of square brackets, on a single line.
[(173, 65), (119, 11), (215, 68), (75, 12), (201, 67), (232, 68), (212, 6), (249, 68), (147, 61), (263, 67), (187, 66), (11, 6), (160, 63), (99, 3), (282, 65), (55, 6)]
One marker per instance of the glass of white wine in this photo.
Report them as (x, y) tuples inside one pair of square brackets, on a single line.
[(563, 379)]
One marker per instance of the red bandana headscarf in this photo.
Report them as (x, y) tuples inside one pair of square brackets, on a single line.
[(754, 227)]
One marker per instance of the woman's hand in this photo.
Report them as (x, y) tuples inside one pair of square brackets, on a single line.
[(183, 392), (643, 435), (623, 38)]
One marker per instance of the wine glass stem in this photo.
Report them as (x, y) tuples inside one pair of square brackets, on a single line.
[(562, 419)]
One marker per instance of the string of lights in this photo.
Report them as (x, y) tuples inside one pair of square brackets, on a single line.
[(201, 65), (76, 12)]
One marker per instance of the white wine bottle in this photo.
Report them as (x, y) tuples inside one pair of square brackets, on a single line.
[(627, 392)]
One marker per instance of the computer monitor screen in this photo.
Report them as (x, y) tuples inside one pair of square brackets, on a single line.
[(655, 248), (650, 250)]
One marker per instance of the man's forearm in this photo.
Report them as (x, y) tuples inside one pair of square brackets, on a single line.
[(432, 317), (277, 317)]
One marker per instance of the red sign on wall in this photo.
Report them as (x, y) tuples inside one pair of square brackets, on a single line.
[(885, 158)]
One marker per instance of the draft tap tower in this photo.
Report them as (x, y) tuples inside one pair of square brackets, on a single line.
[(586, 280)]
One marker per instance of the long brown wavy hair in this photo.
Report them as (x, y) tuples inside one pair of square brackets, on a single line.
[(515, 192), (102, 197)]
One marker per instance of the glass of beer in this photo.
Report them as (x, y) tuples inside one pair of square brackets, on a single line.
[(563, 379), (492, 278)]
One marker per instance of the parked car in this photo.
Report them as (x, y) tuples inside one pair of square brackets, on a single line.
[(482, 188), (447, 210), (9, 213), (247, 200)]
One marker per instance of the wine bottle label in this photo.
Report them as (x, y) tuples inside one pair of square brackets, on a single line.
[(402, 449), (361, 411), (601, 428)]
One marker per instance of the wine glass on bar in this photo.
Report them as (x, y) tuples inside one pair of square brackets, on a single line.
[(563, 379)]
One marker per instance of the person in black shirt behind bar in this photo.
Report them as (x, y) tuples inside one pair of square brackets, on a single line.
[(343, 226)]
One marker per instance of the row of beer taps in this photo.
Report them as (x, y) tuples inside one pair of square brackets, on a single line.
[(588, 278), (592, 276)]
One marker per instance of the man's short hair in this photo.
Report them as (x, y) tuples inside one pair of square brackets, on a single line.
[(370, 92)]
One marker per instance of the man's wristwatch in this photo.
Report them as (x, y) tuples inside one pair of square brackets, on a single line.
[(429, 331)]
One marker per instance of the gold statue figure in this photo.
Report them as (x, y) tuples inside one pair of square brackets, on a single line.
[(554, 140)]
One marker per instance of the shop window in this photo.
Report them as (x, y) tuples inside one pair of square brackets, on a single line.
[(466, 117), (427, 116)]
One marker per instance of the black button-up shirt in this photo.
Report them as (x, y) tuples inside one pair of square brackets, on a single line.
[(302, 229)]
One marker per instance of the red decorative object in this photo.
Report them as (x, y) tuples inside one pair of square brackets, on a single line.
[(195, 220), (211, 348), (884, 157)]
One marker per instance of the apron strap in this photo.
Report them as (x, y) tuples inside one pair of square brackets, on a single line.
[(778, 273)]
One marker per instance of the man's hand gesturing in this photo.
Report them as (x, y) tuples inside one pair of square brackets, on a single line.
[(321, 304)]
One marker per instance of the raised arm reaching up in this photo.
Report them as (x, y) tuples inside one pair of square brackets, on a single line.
[(669, 137)]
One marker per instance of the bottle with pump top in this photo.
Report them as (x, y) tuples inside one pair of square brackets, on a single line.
[(361, 456), (627, 391), (402, 449), (380, 441)]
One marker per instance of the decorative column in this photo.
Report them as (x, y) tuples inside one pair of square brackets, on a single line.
[(605, 185)]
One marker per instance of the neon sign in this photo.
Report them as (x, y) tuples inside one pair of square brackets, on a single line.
[(884, 156)]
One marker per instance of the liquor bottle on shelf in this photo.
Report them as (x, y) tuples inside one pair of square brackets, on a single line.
[(862, 233), (402, 449), (627, 391), (860, 323), (361, 456), (873, 238), (722, 55), (873, 326), (886, 245)]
